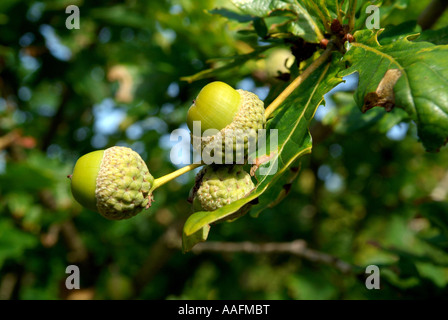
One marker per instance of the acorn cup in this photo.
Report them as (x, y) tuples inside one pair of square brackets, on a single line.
[(229, 123), (114, 182), (219, 185)]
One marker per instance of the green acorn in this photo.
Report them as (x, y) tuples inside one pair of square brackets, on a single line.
[(217, 186), (235, 117), (114, 182)]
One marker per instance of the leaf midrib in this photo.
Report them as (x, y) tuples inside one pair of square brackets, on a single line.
[(299, 119)]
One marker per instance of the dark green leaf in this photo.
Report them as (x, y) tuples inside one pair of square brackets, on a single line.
[(437, 212), (438, 37), (302, 25), (405, 74), (401, 31), (14, 242), (228, 64), (260, 27)]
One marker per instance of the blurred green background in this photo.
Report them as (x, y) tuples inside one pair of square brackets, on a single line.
[(367, 194)]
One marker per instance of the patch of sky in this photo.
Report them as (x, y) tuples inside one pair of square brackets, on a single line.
[(57, 49), (350, 83)]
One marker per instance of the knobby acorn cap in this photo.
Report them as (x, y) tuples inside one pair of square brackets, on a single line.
[(114, 182), (231, 137), (220, 185)]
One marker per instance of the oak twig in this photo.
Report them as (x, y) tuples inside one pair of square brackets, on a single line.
[(297, 247), (432, 13), (298, 81), (175, 174), (351, 15)]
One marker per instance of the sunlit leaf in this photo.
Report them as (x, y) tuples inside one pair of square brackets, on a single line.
[(418, 83)]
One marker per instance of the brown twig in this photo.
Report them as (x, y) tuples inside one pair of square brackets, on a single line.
[(432, 13), (7, 284), (9, 139), (78, 252), (298, 81), (159, 254), (297, 247), (56, 120), (351, 15)]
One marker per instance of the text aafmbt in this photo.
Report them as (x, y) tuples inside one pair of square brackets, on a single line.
[(233, 309)]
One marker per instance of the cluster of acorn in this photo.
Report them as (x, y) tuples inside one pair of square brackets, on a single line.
[(117, 184)]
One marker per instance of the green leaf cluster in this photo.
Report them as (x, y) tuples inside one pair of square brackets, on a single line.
[(343, 181)]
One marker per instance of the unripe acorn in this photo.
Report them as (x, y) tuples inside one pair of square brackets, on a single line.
[(237, 115), (219, 185), (278, 62), (114, 182)]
